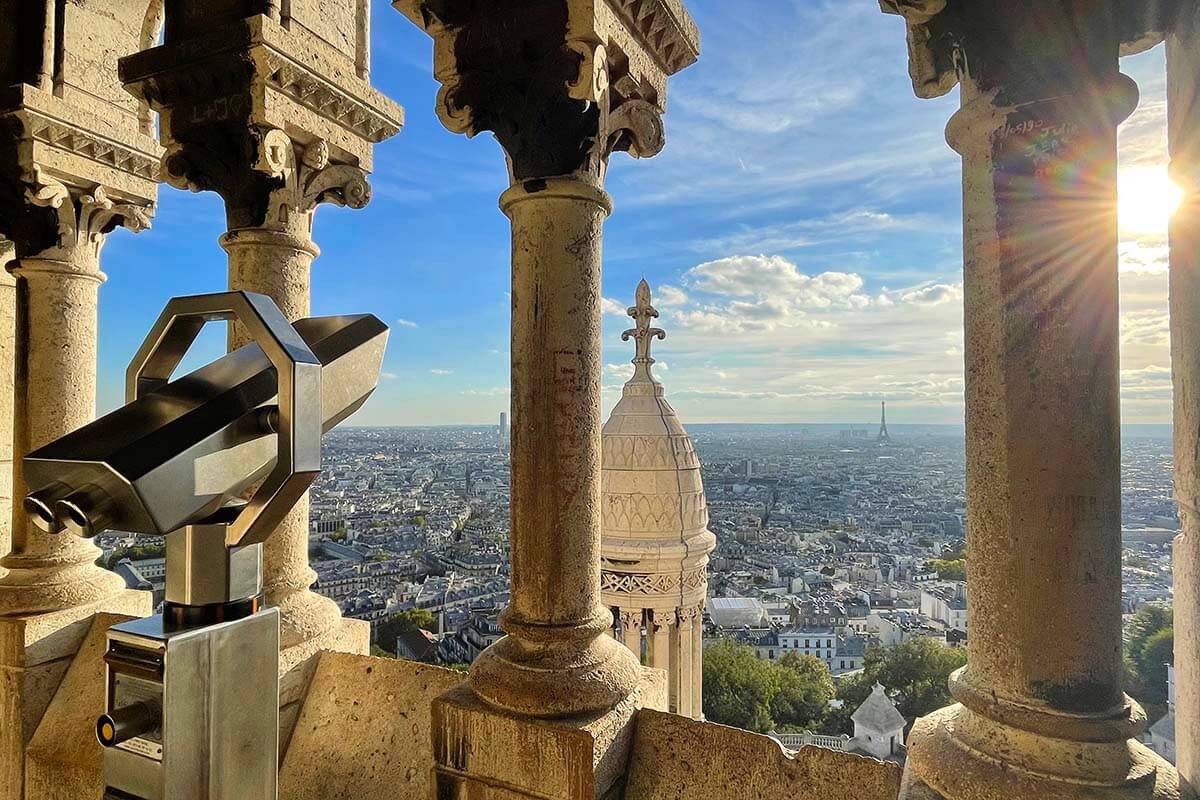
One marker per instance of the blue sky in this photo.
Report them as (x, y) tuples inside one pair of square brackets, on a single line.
[(801, 231)]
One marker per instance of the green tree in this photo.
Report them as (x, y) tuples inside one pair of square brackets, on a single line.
[(804, 689), (916, 672), (1151, 646), (738, 687), (745, 691), (403, 622), (949, 570)]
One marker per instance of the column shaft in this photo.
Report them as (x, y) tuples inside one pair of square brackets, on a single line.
[(684, 658), (1183, 74), (660, 651), (556, 404), (555, 617), (55, 393), (631, 630), (697, 667), (279, 265), (8, 312)]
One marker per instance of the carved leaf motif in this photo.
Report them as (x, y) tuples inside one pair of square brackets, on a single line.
[(637, 126), (46, 191), (342, 184), (592, 81)]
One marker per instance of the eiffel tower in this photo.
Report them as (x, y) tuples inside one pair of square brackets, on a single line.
[(883, 437)]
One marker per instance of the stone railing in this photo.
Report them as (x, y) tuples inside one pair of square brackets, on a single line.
[(794, 741)]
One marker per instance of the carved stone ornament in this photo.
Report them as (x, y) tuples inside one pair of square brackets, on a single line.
[(276, 183), (82, 221), (931, 53), (631, 619), (559, 105)]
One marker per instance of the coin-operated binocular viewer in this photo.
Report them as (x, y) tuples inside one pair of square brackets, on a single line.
[(193, 693)]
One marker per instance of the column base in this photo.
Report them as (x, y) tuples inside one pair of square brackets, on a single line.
[(551, 672), (480, 751), (48, 589), (309, 623), (958, 754)]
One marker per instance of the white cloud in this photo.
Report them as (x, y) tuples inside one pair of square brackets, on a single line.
[(406, 323), (666, 296), (441, 372), (1146, 327), (388, 376), (495, 391), (618, 372), (776, 277), (613, 307), (933, 294)]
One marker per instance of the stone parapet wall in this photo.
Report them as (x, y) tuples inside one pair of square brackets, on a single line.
[(364, 730), (675, 757)]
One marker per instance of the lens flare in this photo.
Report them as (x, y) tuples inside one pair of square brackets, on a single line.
[(1147, 197)]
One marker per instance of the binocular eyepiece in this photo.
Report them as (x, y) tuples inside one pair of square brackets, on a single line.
[(83, 512)]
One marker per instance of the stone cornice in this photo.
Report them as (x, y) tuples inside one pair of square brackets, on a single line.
[(664, 28), (936, 40), (80, 149), (255, 72)]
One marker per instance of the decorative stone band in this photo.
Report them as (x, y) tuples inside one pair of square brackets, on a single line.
[(670, 34), (76, 141), (320, 95), (649, 452), (675, 514), (634, 583)]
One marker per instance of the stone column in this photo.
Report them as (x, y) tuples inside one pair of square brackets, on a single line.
[(698, 665), (226, 101), (1183, 75), (687, 684), (279, 264), (555, 618), (76, 166), (542, 79), (1042, 712), (664, 634), (52, 584), (631, 630), (8, 313)]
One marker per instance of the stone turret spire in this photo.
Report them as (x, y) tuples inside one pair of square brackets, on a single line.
[(656, 540), (643, 314)]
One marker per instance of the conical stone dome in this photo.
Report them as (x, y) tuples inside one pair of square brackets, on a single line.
[(655, 519)]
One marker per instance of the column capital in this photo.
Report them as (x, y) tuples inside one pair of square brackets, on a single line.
[(76, 228), (631, 618), (267, 178), (563, 84), (228, 89), (986, 42)]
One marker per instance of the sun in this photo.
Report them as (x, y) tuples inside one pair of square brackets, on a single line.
[(1147, 197)]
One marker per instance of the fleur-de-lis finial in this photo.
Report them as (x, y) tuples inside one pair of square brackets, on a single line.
[(643, 314)]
